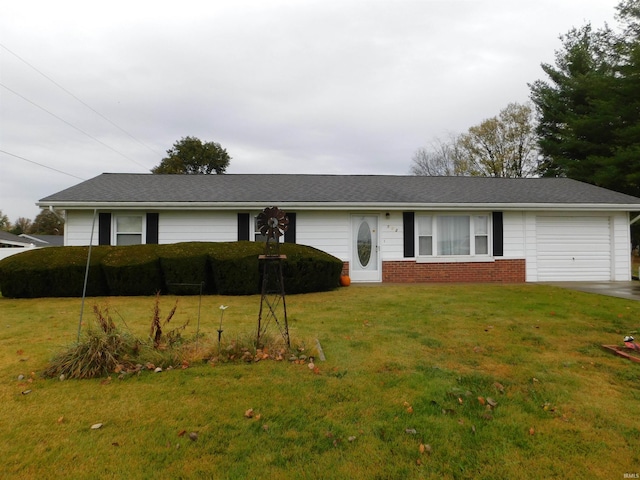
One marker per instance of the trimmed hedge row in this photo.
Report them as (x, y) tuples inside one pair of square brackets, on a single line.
[(225, 268)]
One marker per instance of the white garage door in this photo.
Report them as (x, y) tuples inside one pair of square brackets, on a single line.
[(573, 248)]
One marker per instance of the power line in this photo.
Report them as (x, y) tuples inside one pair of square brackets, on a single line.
[(80, 100), (72, 126), (41, 165)]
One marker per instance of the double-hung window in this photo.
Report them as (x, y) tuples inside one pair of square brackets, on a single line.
[(452, 235), (128, 229)]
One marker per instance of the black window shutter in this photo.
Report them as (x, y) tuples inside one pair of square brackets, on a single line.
[(152, 228), (243, 226), (498, 236), (409, 229), (104, 229), (290, 234)]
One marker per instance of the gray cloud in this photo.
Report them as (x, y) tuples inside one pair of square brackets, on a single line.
[(286, 86)]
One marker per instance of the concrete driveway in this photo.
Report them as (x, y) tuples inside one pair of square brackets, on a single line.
[(629, 290)]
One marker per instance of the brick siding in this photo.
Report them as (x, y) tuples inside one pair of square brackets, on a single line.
[(500, 271)]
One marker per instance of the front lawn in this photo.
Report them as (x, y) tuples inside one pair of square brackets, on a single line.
[(420, 381)]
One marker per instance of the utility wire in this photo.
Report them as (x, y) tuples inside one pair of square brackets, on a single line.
[(81, 101), (40, 164), (73, 126)]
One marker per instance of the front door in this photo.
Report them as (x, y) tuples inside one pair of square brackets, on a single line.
[(365, 258)]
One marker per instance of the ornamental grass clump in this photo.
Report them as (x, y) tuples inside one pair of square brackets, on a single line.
[(104, 350)]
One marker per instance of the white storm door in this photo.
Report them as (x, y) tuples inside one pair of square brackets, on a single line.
[(365, 258)]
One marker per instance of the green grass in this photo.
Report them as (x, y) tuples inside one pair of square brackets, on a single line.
[(399, 359)]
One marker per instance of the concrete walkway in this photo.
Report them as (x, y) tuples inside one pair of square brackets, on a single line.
[(629, 290)]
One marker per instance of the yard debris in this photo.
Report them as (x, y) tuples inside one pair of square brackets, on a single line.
[(499, 387), (249, 413), (491, 402), (425, 448), (193, 436), (410, 431), (352, 438), (26, 392), (96, 426), (630, 351)]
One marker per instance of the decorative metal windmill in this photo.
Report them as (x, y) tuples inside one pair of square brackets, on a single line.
[(272, 224)]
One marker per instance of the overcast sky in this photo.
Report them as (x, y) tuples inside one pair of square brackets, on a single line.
[(296, 86)]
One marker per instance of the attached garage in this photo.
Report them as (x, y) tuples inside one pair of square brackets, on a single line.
[(573, 248)]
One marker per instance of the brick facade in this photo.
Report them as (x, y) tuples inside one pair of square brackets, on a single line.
[(500, 271)]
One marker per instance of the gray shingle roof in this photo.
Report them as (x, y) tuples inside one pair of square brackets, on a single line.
[(335, 189)]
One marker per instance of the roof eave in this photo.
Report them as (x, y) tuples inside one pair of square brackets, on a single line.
[(62, 205)]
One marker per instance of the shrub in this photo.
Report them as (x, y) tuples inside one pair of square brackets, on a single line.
[(184, 267), (235, 267), (133, 270), (308, 269), (226, 268), (53, 272)]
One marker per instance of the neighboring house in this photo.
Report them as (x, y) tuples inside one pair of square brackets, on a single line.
[(11, 244), (44, 240), (385, 228)]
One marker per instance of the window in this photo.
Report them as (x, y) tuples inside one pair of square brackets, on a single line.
[(128, 229), (425, 236), (258, 237), (481, 234), (452, 235)]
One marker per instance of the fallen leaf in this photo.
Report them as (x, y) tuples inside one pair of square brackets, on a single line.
[(258, 416), (20, 352), (460, 400), (491, 402), (409, 409), (249, 413), (421, 448), (410, 431), (352, 438), (181, 433), (61, 419), (532, 431), (499, 387), (115, 444), (481, 400), (418, 462), (193, 436)]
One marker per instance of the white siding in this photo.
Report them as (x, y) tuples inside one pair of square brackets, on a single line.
[(391, 236), (179, 226), (513, 230), (77, 228), (326, 231), (621, 248)]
